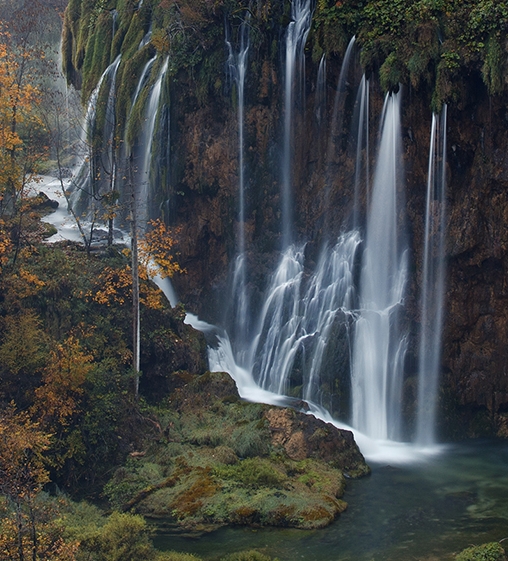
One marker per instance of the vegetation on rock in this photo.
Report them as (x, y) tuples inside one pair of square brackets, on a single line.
[(220, 461), (486, 552)]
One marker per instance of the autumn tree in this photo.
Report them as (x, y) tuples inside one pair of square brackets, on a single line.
[(153, 255), (58, 398), (26, 532), (20, 127)]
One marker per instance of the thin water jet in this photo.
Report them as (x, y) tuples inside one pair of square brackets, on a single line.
[(433, 281), (296, 37), (237, 69)]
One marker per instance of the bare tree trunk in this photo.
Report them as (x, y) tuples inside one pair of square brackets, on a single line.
[(19, 524), (110, 210), (135, 283)]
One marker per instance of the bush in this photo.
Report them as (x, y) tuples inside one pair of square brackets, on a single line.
[(486, 552), (125, 537)]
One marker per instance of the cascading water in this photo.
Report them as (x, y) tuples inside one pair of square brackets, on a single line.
[(114, 17), (361, 124), (433, 280), (296, 37), (142, 177), (338, 104), (300, 319), (379, 344), (237, 68), (85, 174), (107, 155), (335, 136), (146, 39), (278, 338), (320, 99), (142, 80)]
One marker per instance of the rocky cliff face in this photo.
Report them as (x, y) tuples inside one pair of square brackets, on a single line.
[(436, 56)]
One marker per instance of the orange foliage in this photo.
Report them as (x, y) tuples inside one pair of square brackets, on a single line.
[(156, 250), (114, 286), (22, 444), (156, 257), (5, 246), (62, 383), (24, 530), (17, 100)]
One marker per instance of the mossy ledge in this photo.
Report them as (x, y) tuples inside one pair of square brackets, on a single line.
[(218, 461)]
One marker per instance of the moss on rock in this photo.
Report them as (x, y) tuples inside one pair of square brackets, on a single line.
[(221, 461), (487, 552)]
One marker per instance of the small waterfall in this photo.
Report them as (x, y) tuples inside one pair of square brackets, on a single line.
[(142, 80), (108, 134), (361, 126), (114, 17), (237, 68), (142, 179), (340, 98), (320, 98), (278, 336), (146, 38), (296, 37), (433, 280), (85, 174), (380, 346), (301, 317), (334, 147)]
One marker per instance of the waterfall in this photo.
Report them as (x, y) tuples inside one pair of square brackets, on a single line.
[(433, 280), (334, 147), (146, 38), (320, 99), (361, 126), (278, 333), (85, 175), (301, 317), (340, 98), (142, 80), (114, 17), (237, 68), (379, 344), (107, 155), (296, 37), (142, 179)]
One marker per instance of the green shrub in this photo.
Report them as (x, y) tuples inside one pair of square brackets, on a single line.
[(486, 552), (253, 472), (125, 537)]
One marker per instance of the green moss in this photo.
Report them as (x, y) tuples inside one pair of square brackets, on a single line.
[(494, 66), (128, 77), (202, 482), (133, 36), (486, 552), (253, 472), (390, 73), (97, 54)]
